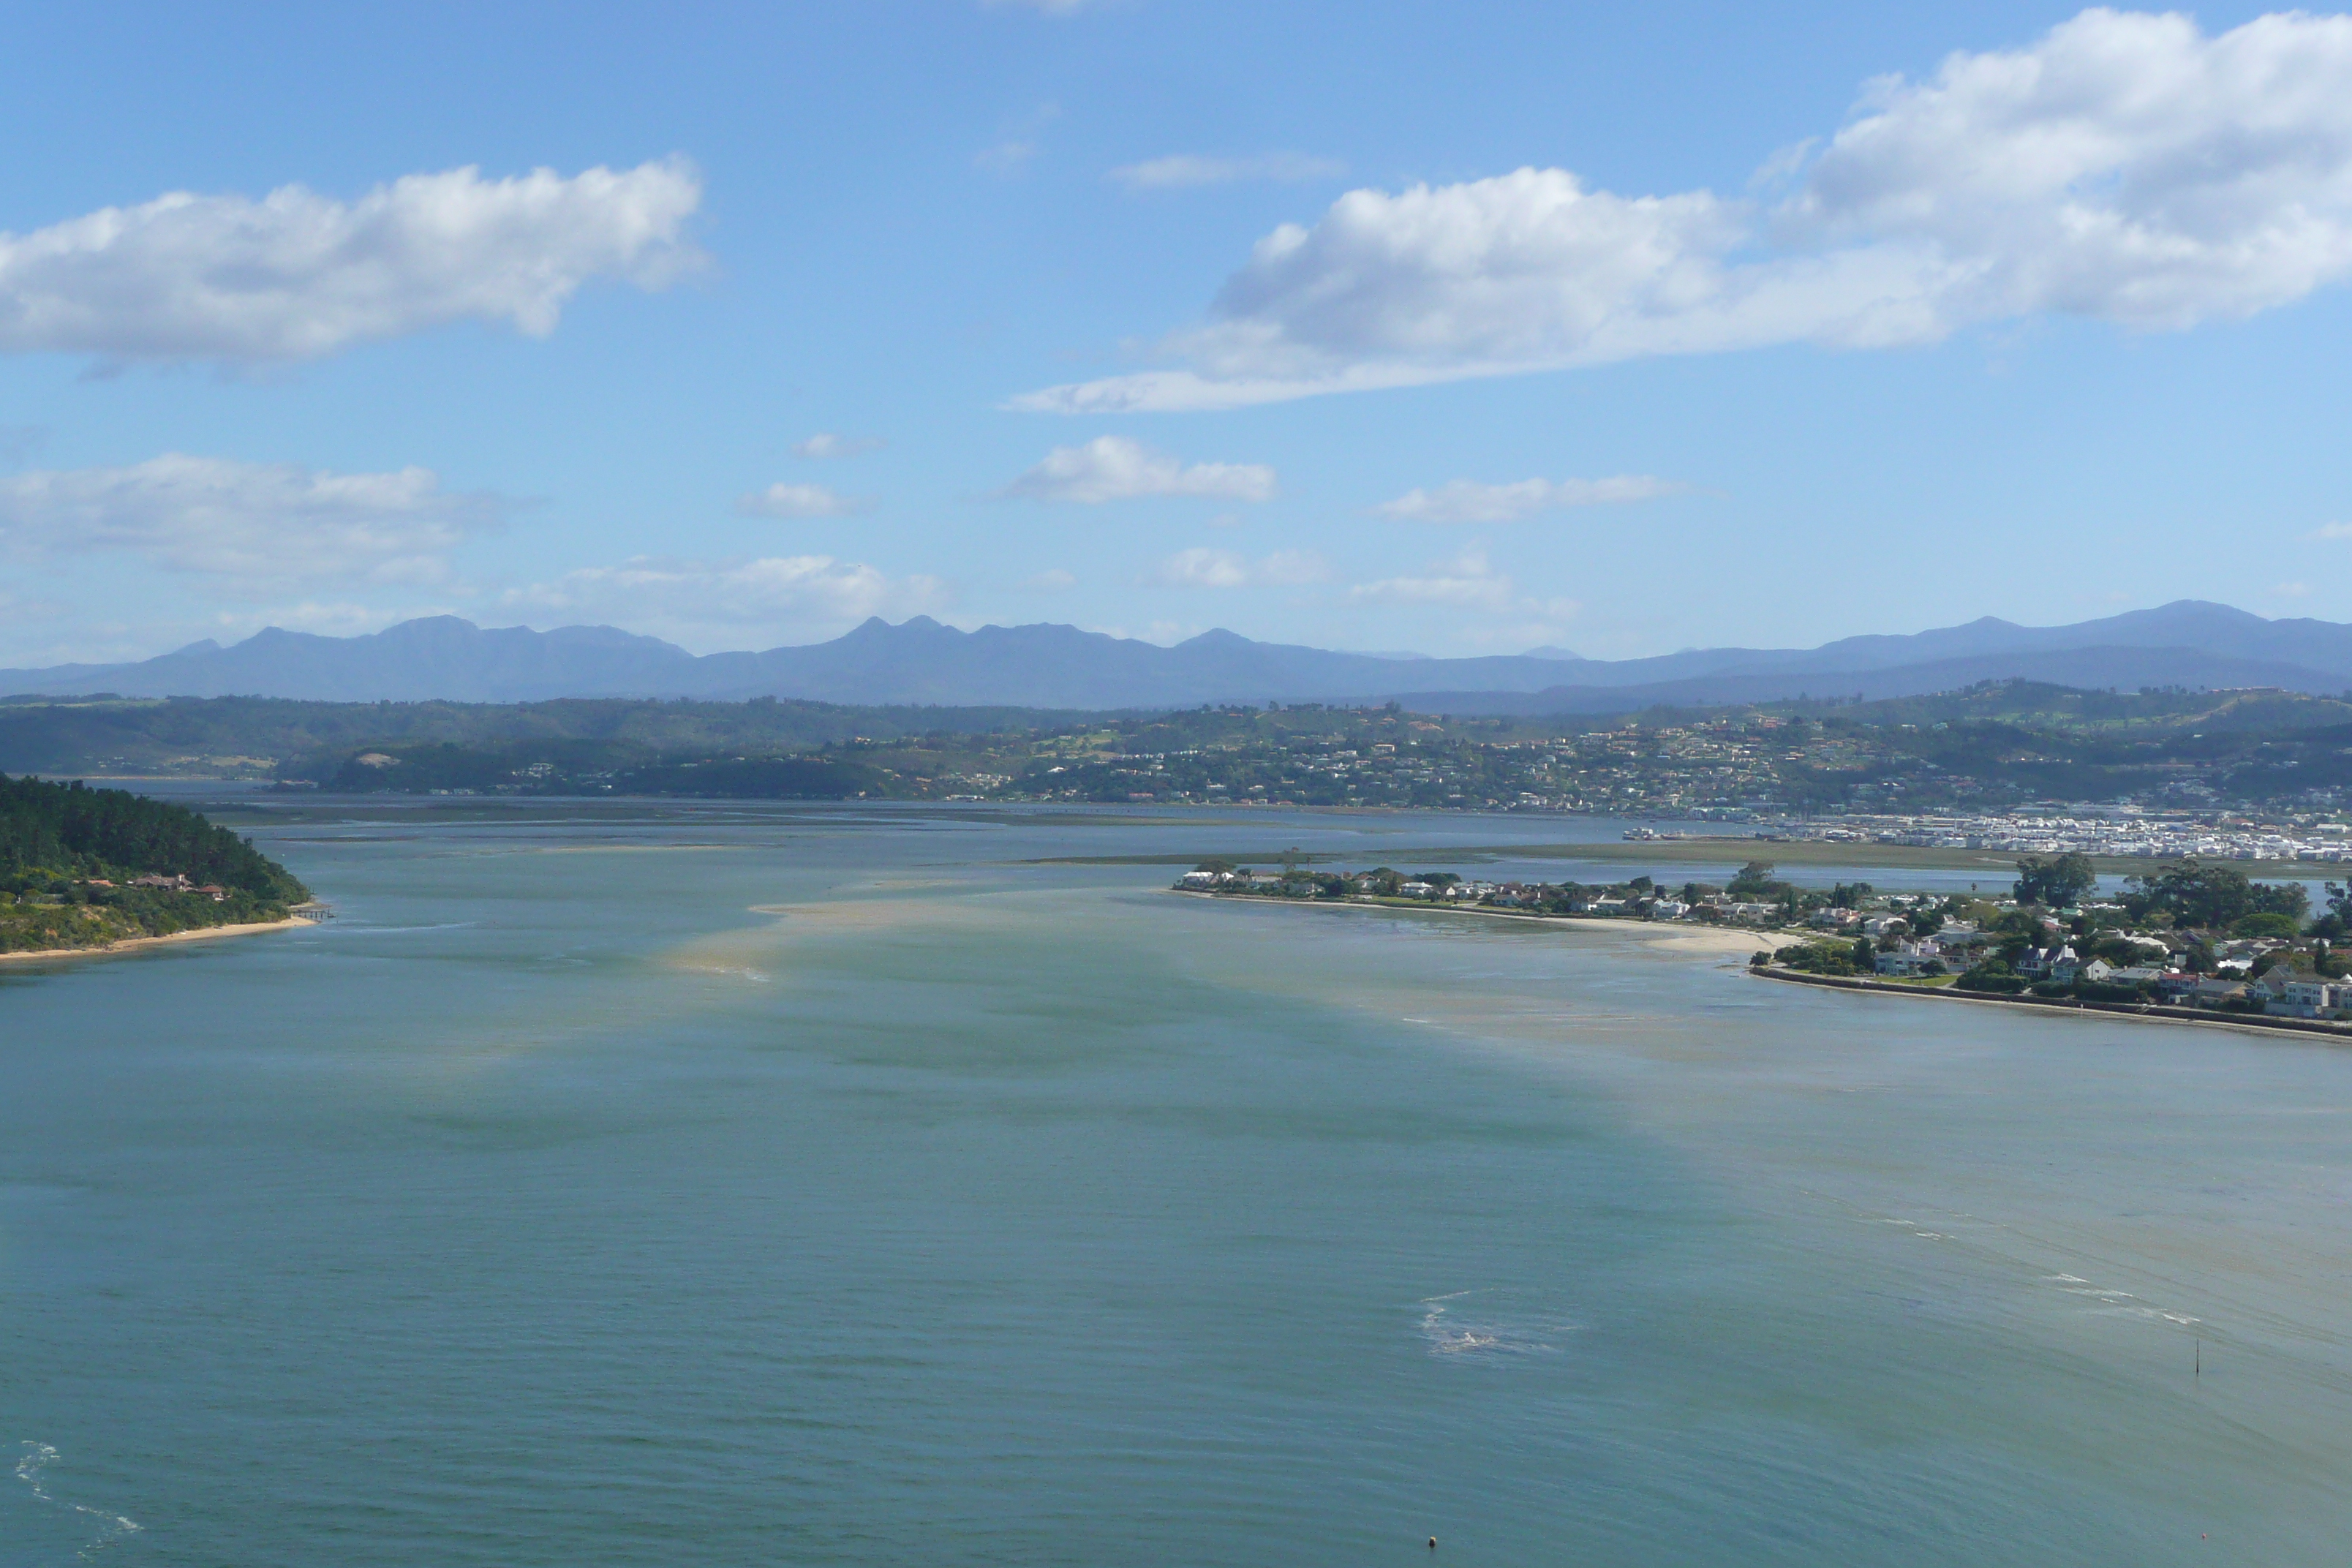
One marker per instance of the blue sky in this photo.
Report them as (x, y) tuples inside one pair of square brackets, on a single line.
[(1152, 317)]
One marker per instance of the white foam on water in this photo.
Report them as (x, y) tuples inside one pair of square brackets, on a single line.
[(112, 1527), (1490, 1322)]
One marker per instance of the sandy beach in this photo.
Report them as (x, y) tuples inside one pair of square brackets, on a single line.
[(1695, 940), (128, 944)]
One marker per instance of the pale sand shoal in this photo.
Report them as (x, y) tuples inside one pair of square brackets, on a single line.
[(1695, 941), (127, 943)]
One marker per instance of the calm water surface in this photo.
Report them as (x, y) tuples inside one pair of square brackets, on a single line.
[(627, 1184)]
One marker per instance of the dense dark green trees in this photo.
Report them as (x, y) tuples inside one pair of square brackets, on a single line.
[(2054, 882), (2195, 894), (72, 831)]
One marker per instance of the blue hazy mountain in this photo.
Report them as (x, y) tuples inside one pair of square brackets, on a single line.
[(2189, 643)]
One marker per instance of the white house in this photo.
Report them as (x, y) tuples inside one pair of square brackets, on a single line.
[(2301, 998)]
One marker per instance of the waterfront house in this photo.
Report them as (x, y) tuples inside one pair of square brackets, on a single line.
[(1907, 958), (1956, 941), (2215, 990), (2057, 964), (2303, 997)]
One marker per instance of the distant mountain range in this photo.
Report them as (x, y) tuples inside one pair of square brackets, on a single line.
[(2189, 643)]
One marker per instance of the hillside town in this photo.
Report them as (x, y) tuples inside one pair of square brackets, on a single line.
[(2110, 831)]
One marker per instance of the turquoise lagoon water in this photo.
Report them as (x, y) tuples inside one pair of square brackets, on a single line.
[(629, 1184)]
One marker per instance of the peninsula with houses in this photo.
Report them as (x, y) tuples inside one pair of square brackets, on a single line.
[(2191, 939), (84, 869)]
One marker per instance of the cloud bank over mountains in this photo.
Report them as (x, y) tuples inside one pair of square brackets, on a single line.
[(298, 275), (2126, 167)]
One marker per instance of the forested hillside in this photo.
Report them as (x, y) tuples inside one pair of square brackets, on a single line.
[(70, 855), (248, 737)]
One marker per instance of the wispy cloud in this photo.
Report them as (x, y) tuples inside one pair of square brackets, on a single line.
[(1470, 583), (1113, 468), (1467, 500), (1181, 171), (299, 274), (825, 444), (801, 501), (1205, 568), (1020, 142), (256, 526)]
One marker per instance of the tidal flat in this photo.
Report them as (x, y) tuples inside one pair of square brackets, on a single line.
[(632, 1182)]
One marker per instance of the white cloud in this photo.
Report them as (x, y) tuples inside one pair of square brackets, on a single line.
[(825, 444), (799, 500), (783, 595), (1113, 468), (2332, 531), (1184, 170), (1465, 500), (1052, 580), (2126, 167), (297, 275), (260, 524), (1205, 568)]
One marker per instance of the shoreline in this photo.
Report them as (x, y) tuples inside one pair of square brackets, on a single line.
[(1711, 941), (131, 943), (2140, 1012), (1733, 940)]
